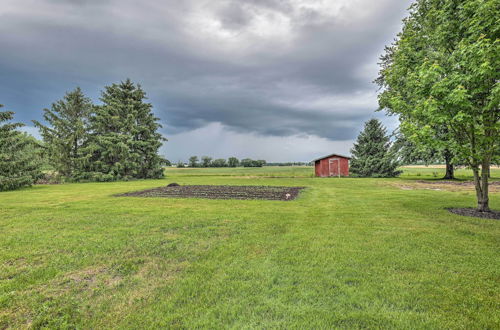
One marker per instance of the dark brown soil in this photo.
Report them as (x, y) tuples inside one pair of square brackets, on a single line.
[(470, 212), (220, 192)]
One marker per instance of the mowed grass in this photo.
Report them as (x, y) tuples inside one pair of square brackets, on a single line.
[(348, 253)]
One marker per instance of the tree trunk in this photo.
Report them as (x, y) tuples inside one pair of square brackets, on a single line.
[(450, 168), (481, 183)]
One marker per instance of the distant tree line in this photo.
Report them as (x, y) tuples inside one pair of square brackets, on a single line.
[(207, 161), (115, 140)]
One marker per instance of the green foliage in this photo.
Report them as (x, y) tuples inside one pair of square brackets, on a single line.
[(372, 155), (233, 162), (442, 71), (247, 162), (205, 161), (20, 155), (221, 162), (124, 142), (193, 161), (411, 153), (67, 132)]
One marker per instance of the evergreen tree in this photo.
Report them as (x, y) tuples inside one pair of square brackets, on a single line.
[(67, 132), (125, 138), (372, 155), (19, 155)]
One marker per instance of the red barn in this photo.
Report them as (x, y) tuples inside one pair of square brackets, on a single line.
[(332, 165)]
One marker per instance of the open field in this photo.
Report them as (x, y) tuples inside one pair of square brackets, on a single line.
[(347, 253)]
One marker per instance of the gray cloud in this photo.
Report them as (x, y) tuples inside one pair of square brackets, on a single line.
[(266, 67)]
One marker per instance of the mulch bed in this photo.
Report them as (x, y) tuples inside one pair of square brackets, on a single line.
[(470, 212), (276, 193)]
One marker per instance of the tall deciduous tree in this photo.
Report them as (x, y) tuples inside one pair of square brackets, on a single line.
[(372, 155), (246, 162), (409, 152), (220, 162), (125, 138), (205, 161), (193, 161), (19, 155), (67, 131), (233, 162), (442, 71)]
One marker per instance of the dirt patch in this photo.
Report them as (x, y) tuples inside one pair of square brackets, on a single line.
[(91, 278), (221, 192), (458, 183), (438, 166), (494, 186), (470, 212)]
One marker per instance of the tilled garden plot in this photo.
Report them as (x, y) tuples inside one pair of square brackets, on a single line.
[(221, 192)]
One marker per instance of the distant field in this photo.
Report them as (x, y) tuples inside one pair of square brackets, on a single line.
[(348, 253), (269, 171), (411, 171)]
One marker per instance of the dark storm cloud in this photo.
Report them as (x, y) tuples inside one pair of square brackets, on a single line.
[(263, 66)]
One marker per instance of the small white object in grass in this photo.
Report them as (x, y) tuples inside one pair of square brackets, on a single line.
[(288, 196)]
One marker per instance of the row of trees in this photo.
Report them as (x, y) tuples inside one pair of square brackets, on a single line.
[(206, 161), (377, 154), (116, 140), (441, 78)]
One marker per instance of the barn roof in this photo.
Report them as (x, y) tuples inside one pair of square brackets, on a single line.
[(328, 156)]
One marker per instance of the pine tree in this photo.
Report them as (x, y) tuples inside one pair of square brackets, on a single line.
[(67, 132), (125, 138), (372, 155), (19, 161)]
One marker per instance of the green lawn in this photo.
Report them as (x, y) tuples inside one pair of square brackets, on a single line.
[(348, 253)]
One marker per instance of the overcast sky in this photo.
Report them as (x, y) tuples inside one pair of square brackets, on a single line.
[(281, 80)]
